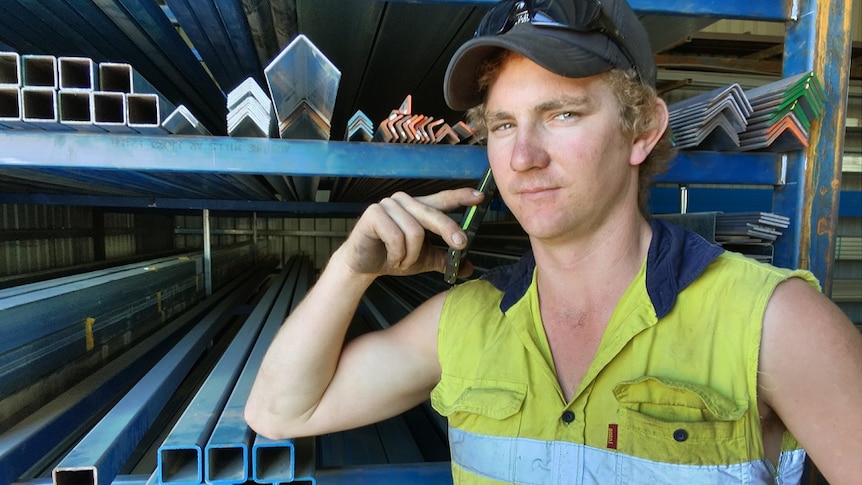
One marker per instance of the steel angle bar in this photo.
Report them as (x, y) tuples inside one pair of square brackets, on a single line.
[(36, 435), (182, 122), (245, 124), (301, 72), (180, 456), (304, 123), (98, 457), (359, 127), (228, 451), (144, 113), (10, 69), (249, 87), (76, 110), (249, 118)]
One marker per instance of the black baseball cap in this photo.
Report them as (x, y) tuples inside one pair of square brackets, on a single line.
[(572, 38)]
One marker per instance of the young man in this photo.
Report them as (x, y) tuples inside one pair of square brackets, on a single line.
[(620, 349)]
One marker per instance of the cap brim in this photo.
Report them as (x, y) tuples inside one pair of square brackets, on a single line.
[(559, 51)]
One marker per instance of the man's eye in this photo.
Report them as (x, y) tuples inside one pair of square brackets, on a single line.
[(501, 126), (565, 115)]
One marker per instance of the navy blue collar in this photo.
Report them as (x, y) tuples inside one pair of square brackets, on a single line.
[(676, 257)]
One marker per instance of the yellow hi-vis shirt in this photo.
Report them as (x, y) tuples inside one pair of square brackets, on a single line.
[(670, 397)]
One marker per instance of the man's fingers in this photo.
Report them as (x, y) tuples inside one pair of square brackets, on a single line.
[(431, 210)]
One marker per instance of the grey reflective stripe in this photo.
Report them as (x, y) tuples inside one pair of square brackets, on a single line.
[(537, 462)]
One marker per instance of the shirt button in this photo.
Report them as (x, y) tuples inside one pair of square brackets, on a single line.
[(568, 417), (680, 435)]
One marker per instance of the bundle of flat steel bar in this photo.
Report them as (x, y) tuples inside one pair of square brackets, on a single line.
[(750, 233), (712, 120), (783, 112)]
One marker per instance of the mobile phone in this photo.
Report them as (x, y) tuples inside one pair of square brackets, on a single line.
[(472, 218)]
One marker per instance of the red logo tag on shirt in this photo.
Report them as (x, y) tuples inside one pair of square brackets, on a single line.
[(612, 436)]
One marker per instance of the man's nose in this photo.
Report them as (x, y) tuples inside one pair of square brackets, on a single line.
[(529, 151)]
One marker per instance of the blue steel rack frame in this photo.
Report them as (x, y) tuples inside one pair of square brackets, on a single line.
[(807, 185), (804, 184)]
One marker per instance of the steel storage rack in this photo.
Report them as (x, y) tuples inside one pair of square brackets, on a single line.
[(805, 184)]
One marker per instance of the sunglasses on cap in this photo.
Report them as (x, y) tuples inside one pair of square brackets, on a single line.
[(582, 16)]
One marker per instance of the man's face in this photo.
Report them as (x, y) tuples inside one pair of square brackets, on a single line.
[(559, 157)]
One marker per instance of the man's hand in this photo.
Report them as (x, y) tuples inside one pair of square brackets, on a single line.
[(391, 239)]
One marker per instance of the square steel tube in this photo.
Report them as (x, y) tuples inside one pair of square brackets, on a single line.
[(76, 73), (39, 71), (273, 461), (10, 69)]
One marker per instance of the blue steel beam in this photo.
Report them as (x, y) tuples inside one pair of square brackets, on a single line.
[(180, 457), (236, 24), (196, 28), (820, 41), (436, 473), (23, 445), (767, 10), (311, 157), (98, 457), (333, 209), (227, 457)]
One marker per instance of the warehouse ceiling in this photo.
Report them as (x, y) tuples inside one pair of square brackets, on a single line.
[(195, 51)]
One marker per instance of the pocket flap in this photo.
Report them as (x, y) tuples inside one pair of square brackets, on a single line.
[(671, 400), (486, 397)]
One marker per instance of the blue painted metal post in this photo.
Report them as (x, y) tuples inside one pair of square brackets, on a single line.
[(180, 457), (818, 40)]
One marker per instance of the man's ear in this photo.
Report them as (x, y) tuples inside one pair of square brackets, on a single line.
[(647, 140)]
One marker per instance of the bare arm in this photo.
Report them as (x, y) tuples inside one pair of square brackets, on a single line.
[(307, 384), (811, 376)]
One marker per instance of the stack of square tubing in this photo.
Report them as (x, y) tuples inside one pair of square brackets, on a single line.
[(77, 94)]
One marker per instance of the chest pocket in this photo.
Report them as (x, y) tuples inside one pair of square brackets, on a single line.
[(485, 406), (678, 422)]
